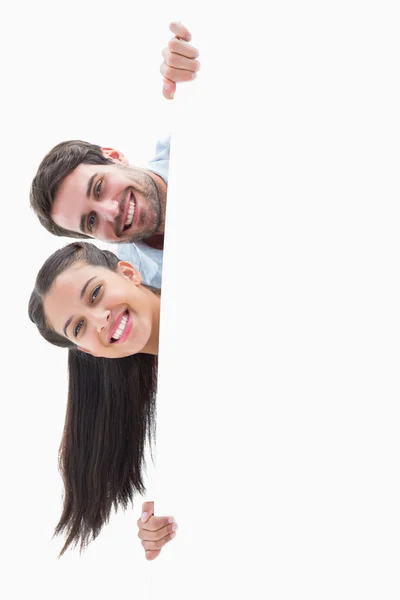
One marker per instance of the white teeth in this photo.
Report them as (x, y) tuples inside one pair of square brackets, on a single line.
[(131, 212), (120, 329)]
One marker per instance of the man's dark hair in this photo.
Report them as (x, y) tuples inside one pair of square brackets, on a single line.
[(52, 171)]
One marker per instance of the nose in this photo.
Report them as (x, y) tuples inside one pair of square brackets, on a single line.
[(108, 209), (100, 319)]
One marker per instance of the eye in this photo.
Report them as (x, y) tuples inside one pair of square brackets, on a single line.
[(91, 221), (97, 189), (77, 328), (95, 293)]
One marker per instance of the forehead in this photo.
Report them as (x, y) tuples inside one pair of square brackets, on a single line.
[(74, 276), (72, 195)]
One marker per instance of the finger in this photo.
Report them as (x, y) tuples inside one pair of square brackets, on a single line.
[(152, 554), (155, 536), (157, 523), (148, 545), (176, 74), (169, 88), (180, 47), (180, 30), (180, 62), (147, 512)]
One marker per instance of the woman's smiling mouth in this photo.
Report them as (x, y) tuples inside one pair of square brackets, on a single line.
[(121, 328)]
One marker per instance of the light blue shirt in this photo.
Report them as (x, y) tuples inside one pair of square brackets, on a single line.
[(148, 261)]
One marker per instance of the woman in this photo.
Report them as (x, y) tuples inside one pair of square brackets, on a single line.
[(88, 301)]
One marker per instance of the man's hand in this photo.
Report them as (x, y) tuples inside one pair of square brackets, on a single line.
[(179, 60), (154, 532)]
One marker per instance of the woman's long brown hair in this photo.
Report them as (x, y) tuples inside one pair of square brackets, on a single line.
[(110, 415)]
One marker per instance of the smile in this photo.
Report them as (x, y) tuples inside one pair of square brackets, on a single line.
[(121, 328), (131, 211)]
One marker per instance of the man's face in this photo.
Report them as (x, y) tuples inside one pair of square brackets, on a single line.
[(113, 203)]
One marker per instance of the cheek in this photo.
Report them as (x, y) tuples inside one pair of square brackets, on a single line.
[(117, 184), (120, 296)]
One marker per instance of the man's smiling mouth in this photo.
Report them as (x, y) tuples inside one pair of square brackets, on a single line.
[(131, 211), (126, 215)]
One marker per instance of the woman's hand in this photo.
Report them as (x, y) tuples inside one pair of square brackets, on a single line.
[(179, 60), (154, 532)]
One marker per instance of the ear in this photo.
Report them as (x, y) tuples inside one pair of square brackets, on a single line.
[(127, 270), (115, 155), (88, 352)]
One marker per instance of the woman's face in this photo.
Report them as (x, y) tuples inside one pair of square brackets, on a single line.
[(105, 313)]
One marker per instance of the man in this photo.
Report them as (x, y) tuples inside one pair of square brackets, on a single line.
[(82, 190)]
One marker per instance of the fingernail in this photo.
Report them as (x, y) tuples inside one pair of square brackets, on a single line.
[(144, 516), (171, 520), (172, 535), (174, 527), (193, 75)]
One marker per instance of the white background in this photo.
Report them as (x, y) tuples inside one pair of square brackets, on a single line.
[(278, 445)]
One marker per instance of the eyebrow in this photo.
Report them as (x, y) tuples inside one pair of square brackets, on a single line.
[(83, 290), (90, 183), (82, 222)]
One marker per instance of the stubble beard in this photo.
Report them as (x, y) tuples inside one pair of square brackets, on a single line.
[(155, 199)]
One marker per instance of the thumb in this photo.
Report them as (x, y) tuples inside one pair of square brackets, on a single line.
[(147, 511), (169, 88), (180, 31), (152, 554)]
